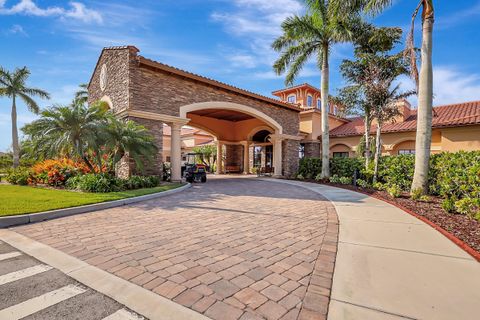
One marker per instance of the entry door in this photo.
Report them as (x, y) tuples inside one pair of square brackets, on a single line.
[(269, 156)]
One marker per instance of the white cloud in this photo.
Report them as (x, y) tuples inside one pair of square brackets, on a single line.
[(457, 17), (243, 61), (17, 29), (77, 11), (22, 119), (450, 85)]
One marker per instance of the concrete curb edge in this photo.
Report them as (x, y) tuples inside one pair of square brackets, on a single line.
[(136, 298), (10, 221)]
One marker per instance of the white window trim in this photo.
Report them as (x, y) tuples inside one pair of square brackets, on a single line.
[(294, 98)]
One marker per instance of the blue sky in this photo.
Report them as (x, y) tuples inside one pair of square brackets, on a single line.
[(228, 40)]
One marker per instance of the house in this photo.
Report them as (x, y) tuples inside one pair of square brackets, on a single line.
[(455, 127)]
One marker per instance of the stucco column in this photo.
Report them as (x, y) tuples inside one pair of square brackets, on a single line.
[(277, 156), (219, 168), (246, 157), (176, 152)]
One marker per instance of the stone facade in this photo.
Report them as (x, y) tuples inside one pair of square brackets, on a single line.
[(290, 157), (234, 155), (312, 149), (134, 83)]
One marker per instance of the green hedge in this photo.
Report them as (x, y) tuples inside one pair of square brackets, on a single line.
[(102, 182), (309, 168)]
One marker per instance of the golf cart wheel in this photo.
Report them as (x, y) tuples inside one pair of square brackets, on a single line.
[(204, 179)]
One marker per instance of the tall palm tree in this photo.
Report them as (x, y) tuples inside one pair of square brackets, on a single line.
[(312, 35), (13, 85), (424, 80)]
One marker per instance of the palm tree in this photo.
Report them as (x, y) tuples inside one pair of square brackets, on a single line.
[(424, 79), (312, 35), (67, 131), (13, 85), (126, 137), (82, 93)]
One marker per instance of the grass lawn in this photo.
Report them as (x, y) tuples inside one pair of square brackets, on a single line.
[(16, 200)]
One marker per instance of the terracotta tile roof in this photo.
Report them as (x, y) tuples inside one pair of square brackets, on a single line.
[(297, 86), (454, 115), (216, 83)]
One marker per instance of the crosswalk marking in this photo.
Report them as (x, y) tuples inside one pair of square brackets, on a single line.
[(5, 256), (17, 275), (122, 314), (44, 301)]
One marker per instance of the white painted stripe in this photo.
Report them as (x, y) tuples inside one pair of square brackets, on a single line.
[(5, 256), (122, 314), (44, 301), (24, 273)]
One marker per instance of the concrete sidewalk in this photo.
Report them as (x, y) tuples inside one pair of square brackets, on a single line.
[(391, 265)]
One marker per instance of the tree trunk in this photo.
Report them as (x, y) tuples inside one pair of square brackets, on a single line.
[(367, 139), (325, 109), (424, 112), (15, 146), (378, 150)]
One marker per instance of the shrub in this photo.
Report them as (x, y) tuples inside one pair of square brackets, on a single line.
[(335, 179), (397, 170), (318, 177), (300, 177), (345, 167), (20, 176), (362, 183), (310, 167), (138, 182), (448, 205), (416, 194), (345, 180), (379, 186), (56, 172), (95, 182), (468, 206), (394, 190)]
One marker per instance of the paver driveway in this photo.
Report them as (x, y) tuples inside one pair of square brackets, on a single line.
[(232, 248)]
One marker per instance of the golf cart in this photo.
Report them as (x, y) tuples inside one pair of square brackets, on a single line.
[(193, 171)]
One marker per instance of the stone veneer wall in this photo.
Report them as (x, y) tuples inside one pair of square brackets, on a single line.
[(234, 155), (312, 149), (290, 157), (134, 86)]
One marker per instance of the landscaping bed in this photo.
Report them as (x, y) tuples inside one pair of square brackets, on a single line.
[(17, 200), (461, 226)]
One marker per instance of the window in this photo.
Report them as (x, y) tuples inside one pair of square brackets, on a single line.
[(269, 156), (301, 151), (335, 110), (257, 156), (309, 101), (319, 104), (406, 151), (340, 155), (292, 98), (168, 159)]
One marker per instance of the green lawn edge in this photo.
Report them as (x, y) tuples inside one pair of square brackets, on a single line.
[(17, 200)]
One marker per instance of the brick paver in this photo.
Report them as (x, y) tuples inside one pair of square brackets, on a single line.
[(236, 247)]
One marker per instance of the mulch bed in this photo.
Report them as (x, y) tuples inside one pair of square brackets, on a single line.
[(460, 226)]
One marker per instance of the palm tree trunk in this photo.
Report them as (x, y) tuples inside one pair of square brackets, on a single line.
[(424, 113), (367, 138), (325, 127), (15, 147), (378, 150)]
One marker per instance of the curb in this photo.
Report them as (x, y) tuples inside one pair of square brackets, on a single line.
[(10, 221), (136, 298)]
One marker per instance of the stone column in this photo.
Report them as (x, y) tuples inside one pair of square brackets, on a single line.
[(277, 156), (246, 157), (219, 168), (176, 152)]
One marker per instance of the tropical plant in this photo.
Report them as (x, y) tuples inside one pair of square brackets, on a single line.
[(13, 85), (424, 80), (67, 131), (313, 35), (206, 154), (81, 96)]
